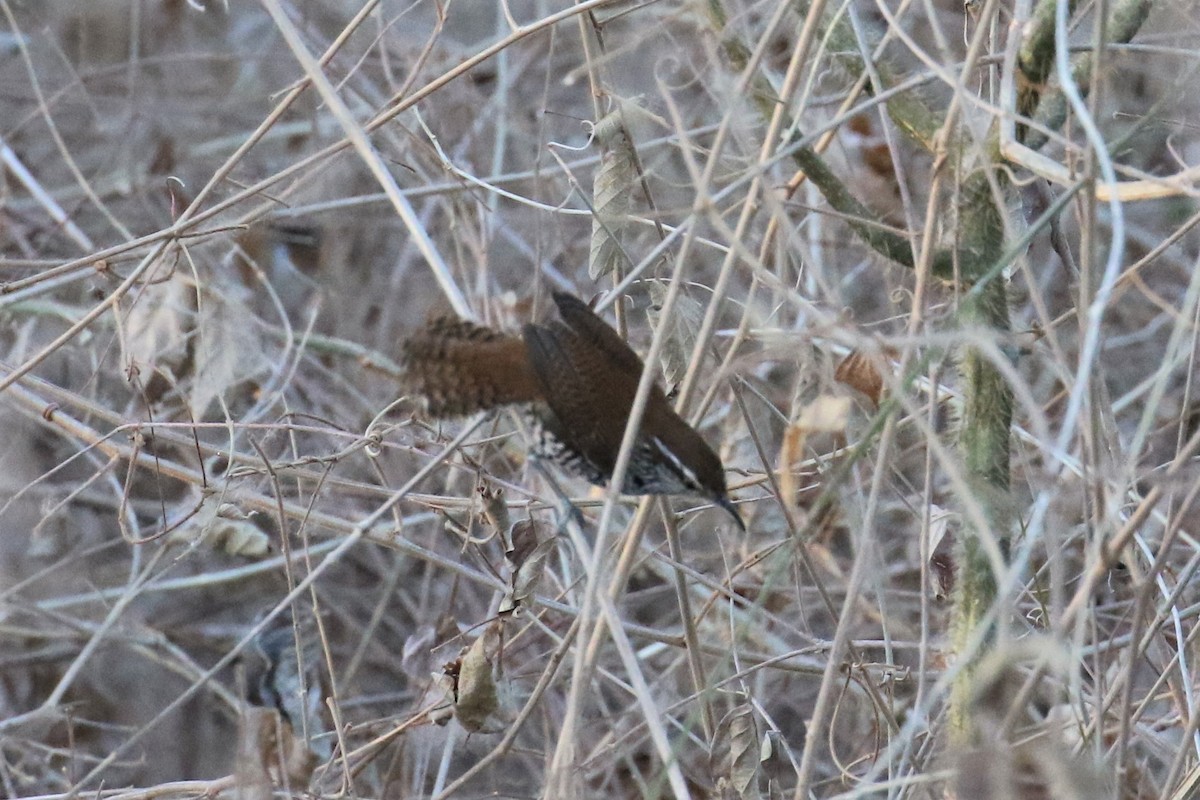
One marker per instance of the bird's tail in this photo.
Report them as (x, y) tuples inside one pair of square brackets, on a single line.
[(458, 368)]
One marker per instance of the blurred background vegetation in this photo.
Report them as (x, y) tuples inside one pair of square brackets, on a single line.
[(948, 361)]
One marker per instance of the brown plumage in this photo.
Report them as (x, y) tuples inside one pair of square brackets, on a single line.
[(459, 367), (576, 379)]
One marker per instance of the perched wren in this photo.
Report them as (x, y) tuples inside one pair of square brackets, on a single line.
[(576, 379)]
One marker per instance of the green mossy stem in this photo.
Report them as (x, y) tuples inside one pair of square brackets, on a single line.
[(988, 403), (1046, 102), (975, 262)]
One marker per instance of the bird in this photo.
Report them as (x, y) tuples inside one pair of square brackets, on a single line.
[(575, 379)]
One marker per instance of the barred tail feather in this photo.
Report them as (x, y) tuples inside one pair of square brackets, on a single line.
[(458, 368)]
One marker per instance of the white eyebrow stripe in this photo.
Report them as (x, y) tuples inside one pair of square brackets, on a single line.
[(688, 476)]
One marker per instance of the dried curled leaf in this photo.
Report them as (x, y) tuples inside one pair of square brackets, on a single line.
[(238, 536), (860, 133), (225, 527), (611, 190), (858, 372), (524, 538), (255, 754), (737, 753), (158, 328), (527, 560), (227, 352), (790, 453), (683, 327), (476, 694), (826, 414), (494, 508)]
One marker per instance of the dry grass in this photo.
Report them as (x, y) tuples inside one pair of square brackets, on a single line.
[(219, 222)]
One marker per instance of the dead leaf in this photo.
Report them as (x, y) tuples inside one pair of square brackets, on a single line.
[(158, 328), (826, 414), (494, 507), (683, 327), (228, 351), (941, 551), (524, 538), (254, 754), (790, 453), (527, 561), (236, 534), (860, 132), (477, 697), (612, 189), (939, 524), (859, 373), (944, 570), (224, 527), (737, 752)]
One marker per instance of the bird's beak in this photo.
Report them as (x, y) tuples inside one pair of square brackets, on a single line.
[(724, 502)]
